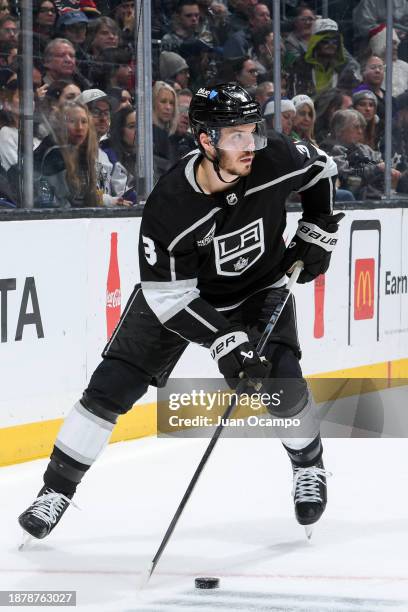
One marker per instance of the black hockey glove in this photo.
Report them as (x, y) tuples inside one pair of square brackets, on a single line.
[(238, 360), (312, 244)]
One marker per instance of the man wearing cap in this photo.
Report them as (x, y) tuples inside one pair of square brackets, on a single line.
[(112, 177), (174, 69), (73, 26), (325, 64)]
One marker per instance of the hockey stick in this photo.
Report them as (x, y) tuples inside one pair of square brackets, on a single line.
[(297, 268)]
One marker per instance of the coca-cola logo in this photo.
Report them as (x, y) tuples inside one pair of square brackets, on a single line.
[(113, 298)]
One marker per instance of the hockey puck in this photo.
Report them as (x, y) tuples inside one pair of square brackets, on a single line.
[(205, 582)]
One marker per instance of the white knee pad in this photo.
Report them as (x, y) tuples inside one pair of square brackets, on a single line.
[(83, 435)]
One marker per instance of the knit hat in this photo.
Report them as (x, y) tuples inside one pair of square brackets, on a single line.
[(324, 25), (171, 64), (89, 8), (364, 94), (91, 95), (377, 39), (286, 105), (302, 99)]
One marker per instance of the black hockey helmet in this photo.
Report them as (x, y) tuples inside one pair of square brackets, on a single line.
[(225, 105)]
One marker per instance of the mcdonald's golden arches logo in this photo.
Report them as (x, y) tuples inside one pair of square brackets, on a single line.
[(364, 279)]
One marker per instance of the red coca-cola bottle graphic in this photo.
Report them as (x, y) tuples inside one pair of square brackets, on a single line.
[(113, 295), (319, 284)]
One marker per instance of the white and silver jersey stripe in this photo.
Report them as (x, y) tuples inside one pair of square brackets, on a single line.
[(166, 299)]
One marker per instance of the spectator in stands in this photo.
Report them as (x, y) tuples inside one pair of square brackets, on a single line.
[(399, 142), (121, 150), (73, 26), (112, 69), (241, 42), (182, 141), (8, 30), (111, 177), (185, 26), (368, 14), (366, 103), (165, 118), (373, 70), (263, 92), (66, 160), (239, 13), (213, 24), (174, 69), (60, 63), (288, 112), (4, 8), (44, 19), (263, 56), (242, 70), (360, 168), (325, 64), (11, 123), (304, 120), (326, 104), (123, 12), (103, 33), (297, 41), (8, 54), (377, 45), (120, 98)]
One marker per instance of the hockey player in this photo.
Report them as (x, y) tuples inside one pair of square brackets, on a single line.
[(212, 265)]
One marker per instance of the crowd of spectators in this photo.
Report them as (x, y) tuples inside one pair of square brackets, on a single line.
[(85, 136)]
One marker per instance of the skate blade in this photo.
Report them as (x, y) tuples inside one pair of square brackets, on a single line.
[(309, 531), (27, 538)]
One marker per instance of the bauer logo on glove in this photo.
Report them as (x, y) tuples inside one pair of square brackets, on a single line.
[(312, 244)]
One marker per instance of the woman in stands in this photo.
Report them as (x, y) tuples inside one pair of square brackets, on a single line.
[(165, 118), (65, 161)]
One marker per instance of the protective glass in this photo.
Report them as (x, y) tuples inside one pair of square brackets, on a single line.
[(238, 139)]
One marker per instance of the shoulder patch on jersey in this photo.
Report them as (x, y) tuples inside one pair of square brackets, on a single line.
[(303, 150)]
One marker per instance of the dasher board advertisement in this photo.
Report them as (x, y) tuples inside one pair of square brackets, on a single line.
[(364, 280)]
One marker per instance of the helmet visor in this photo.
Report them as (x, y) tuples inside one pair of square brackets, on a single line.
[(239, 138)]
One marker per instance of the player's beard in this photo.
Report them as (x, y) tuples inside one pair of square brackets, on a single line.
[(233, 165)]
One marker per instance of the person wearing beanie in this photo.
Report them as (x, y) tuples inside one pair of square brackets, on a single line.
[(326, 63), (377, 44), (174, 69), (365, 102), (288, 112), (305, 118)]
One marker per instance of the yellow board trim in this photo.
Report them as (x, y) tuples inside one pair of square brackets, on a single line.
[(35, 440)]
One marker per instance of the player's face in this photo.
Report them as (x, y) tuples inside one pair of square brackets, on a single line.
[(237, 149)]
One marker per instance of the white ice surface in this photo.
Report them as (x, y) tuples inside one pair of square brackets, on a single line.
[(239, 525)]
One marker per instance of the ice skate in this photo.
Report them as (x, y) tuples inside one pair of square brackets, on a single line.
[(309, 493), (44, 513)]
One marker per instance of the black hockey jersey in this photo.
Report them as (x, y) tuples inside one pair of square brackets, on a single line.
[(201, 255)]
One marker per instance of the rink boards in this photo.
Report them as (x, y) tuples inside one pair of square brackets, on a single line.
[(54, 310)]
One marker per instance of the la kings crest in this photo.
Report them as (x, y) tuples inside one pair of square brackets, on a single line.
[(237, 251)]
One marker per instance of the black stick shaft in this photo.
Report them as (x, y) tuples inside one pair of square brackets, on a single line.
[(260, 348)]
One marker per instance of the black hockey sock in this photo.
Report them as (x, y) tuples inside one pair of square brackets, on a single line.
[(305, 457), (63, 474)]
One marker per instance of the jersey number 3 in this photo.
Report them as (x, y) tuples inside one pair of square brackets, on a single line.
[(150, 250)]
